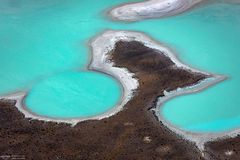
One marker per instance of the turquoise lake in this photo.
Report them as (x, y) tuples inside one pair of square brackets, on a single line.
[(44, 50)]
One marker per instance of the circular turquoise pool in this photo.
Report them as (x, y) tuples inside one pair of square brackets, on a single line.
[(74, 95)]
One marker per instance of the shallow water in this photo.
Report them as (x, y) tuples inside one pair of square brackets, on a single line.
[(45, 39)]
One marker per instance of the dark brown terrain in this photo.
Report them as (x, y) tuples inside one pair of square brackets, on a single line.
[(132, 134), (217, 150)]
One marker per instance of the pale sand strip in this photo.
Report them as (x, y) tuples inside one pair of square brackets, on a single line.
[(156, 8), (151, 9)]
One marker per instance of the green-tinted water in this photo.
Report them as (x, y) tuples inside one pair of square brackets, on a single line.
[(42, 39)]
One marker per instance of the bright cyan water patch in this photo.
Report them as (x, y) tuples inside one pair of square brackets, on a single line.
[(74, 95)]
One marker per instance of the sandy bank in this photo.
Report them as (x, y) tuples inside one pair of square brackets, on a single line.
[(151, 9)]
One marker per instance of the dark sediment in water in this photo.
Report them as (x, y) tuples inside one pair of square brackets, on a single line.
[(133, 133)]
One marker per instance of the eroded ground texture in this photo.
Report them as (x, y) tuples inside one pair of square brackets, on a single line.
[(133, 133)]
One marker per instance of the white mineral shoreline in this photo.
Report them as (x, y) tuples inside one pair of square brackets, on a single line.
[(151, 9), (101, 47), (100, 63), (198, 138)]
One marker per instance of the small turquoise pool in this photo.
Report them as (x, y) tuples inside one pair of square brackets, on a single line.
[(74, 95)]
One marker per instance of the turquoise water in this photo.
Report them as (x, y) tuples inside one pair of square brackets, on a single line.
[(65, 102), (46, 39), (213, 47), (42, 39)]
